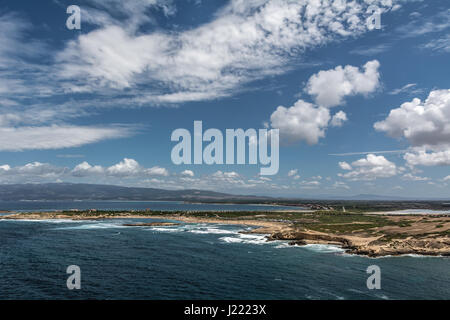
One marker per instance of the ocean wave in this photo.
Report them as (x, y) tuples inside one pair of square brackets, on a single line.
[(246, 238), (200, 228), (325, 248), (212, 230), (43, 220), (284, 245), (161, 229), (91, 226)]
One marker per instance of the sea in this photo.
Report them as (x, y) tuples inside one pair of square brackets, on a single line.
[(192, 261)]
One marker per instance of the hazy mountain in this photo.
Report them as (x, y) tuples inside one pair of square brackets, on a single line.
[(70, 191), (73, 191)]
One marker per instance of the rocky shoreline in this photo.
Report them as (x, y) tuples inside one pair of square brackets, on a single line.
[(419, 236), (375, 248)]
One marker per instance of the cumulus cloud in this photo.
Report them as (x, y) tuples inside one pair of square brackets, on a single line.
[(370, 168), (45, 172), (130, 167), (330, 87), (31, 172), (157, 171), (424, 158), (308, 122), (425, 125), (301, 122), (133, 65), (226, 175), (294, 174), (345, 166), (125, 167), (85, 169), (188, 173), (338, 119), (422, 123)]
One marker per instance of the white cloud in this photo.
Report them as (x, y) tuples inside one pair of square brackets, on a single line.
[(292, 172), (371, 50), (403, 89), (339, 184), (424, 158), (426, 126), (338, 119), (125, 167), (85, 169), (157, 171), (188, 173), (301, 122), (330, 87), (447, 178), (226, 175), (247, 40), (370, 168), (31, 172), (411, 177), (419, 27), (56, 136), (44, 172), (345, 166), (438, 45), (244, 41), (308, 122), (424, 123), (310, 183)]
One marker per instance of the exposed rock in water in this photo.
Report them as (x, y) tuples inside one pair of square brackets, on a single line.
[(300, 237)]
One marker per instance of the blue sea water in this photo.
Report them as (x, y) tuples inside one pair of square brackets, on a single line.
[(133, 205), (195, 261)]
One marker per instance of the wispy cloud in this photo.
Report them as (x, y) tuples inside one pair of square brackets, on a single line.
[(367, 152)]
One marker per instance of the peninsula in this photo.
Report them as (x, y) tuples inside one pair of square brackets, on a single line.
[(371, 234)]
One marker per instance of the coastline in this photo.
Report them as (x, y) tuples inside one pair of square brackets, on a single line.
[(371, 245)]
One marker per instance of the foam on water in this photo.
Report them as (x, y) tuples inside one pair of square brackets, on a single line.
[(92, 226), (326, 248), (246, 238), (201, 228), (168, 229), (44, 220)]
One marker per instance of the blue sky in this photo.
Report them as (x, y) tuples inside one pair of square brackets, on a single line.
[(359, 110)]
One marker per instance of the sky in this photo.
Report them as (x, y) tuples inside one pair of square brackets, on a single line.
[(360, 110)]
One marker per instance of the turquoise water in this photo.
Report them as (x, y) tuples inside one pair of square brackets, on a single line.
[(196, 261)]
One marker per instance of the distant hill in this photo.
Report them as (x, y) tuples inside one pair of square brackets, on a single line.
[(374, 197), (71, 191), (77, 191)]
